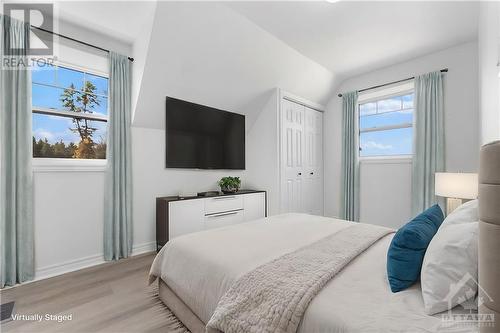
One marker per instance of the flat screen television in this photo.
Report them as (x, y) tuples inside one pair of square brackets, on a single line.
[(201, 137)]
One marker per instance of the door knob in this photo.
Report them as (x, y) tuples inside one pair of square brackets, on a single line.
[(311, 173), (300, 173)]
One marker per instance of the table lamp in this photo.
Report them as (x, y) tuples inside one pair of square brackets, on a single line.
[(455, 187)]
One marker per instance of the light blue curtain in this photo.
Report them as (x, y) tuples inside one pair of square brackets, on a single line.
[(350, 157), (16, 197), (118, 194), (428, 139)]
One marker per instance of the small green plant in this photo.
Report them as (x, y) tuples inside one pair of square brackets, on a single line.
[(229, 184)]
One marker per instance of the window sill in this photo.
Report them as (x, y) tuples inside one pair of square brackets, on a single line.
[(68, 165), (399, 159)]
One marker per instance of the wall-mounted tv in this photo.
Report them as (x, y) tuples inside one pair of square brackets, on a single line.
[(201, 137)]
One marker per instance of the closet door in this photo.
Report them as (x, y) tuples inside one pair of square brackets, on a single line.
[(313, 170), (292, 157)]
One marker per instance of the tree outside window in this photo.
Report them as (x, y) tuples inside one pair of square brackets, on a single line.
[(69, 113)]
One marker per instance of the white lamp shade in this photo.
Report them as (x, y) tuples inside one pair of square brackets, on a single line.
[(456, 185)]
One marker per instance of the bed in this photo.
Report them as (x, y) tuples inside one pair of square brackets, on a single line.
[(196, 272)]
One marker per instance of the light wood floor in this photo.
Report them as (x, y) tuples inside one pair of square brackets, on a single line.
[(112, 297)]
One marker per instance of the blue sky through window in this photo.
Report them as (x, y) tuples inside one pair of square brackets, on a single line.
[(48, 85), (49, 97), (388, 122), (386, 143)]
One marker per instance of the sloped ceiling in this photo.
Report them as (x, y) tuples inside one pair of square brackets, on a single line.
[(354, 37), (209, 54)]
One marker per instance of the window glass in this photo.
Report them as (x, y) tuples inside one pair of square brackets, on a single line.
[(56, 133), (408, 101), (386, 143), (69, 78), (46, 97), (390, 104), (367, 109), (102, 107), (45, 74), (100, 83), (63, 137), (385, 126), (386, 119)]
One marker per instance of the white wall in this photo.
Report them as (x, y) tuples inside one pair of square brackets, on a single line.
[(68, 214), (489, 81), (140, 49), (388, 185), (385, 192), (263, 153), (86, 34)]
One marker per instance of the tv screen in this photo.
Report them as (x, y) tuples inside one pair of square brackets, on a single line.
[(201, 137)]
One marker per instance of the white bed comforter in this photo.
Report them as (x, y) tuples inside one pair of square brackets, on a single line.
[(201, 267)]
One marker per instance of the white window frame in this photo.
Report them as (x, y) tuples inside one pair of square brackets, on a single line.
[(391, 91), (44, 164)]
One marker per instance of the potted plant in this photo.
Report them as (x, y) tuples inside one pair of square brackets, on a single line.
[(229, 184)]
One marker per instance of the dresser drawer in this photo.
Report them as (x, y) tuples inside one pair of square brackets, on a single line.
[(224, 219), (223, 204), (186, 217)]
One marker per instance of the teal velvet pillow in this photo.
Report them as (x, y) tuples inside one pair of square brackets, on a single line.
[(407, 250)]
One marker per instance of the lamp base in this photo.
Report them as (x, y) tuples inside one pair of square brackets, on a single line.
[(452, 204)]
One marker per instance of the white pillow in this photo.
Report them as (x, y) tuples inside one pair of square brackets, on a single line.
[(465, 213), (449, 270)]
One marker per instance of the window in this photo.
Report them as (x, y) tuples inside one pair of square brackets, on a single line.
[(386, 126), (70, 112)]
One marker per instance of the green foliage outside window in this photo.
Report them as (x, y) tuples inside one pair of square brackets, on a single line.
[(43, 148)]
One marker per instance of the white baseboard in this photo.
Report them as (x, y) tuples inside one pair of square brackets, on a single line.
[(143, 248), (68, 266), (85, 262)]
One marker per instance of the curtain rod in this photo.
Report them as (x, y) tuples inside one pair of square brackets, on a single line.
[(75, 40), (445, 70)]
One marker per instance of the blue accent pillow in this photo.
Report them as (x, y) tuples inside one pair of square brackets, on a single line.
[(407, 250)]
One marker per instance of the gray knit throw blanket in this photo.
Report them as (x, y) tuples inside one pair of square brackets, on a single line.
[(273, 297)]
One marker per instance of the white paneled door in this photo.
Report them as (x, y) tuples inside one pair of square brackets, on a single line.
[(313, 196), (292, 157), (301, 159)]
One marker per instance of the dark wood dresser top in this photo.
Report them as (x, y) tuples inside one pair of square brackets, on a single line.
[(178, 198)]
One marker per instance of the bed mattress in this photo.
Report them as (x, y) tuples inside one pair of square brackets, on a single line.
[(199, 268)]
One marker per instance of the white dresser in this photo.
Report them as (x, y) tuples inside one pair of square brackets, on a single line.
[(177, 216)]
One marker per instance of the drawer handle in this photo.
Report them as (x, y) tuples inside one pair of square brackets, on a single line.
[(224, 214), (225, 197)]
